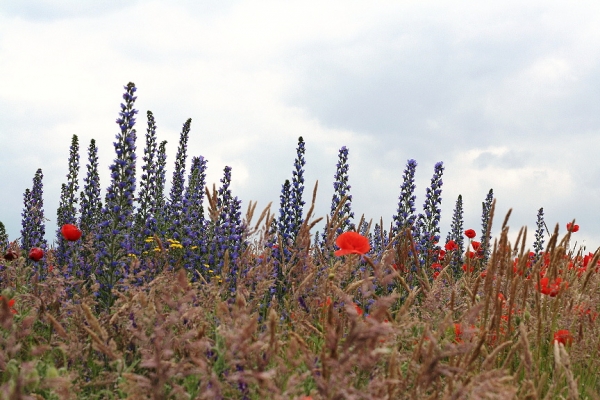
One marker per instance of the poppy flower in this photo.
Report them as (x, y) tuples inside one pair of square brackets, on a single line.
[(549, 288), (476, 245), (325, 303), (36, 254), (359, 310), (70, 232), (572, 227), (352, 243), (436, 266), (441, 254), (457, 333), (471, 269), (11, 304), (563, 336), (451, 245), (470, 233)]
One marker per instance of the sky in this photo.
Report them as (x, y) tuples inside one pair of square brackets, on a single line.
[(506, 94)]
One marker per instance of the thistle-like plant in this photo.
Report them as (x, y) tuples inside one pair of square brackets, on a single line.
[(115, 234)]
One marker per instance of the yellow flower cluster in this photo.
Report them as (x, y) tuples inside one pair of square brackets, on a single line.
[(174, 244)]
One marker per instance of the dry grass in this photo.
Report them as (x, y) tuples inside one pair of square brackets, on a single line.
[(465, 337)]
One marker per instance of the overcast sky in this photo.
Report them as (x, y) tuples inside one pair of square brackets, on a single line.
[(506, 94)]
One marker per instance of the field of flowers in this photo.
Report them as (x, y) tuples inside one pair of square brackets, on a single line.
[(149, 295)]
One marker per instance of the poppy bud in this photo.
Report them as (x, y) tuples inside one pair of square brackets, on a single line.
[(70, 232), (36, 254), (470, 233), (10, 255)]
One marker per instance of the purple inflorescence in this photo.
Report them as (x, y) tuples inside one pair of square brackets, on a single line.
[(341, 189), (193, 238), (146, 200), (485, 221), (33, 223), (90, 210), (427, 230), (67, 212), (115, 237), (538, 245), (456, 234), (405, 214), (297, 189), (175, 204), (226, 232)]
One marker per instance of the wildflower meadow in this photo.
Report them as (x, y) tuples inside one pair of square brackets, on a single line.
[(196, 294)]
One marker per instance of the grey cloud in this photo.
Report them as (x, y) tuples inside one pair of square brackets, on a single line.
[(430, 86), (509, 160)]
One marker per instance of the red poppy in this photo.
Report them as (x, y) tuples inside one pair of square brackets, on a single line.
[(572, 227), (441, 254), (325, 303), (436, 274), (451, 245), (550, 288), (436, 266), (11, 304), (359, 310), (457, 333), (36, 254), (476, 245), (470, 233), (352, 243), (563, 336), (70, 232), (50, 268), (471, 269)]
